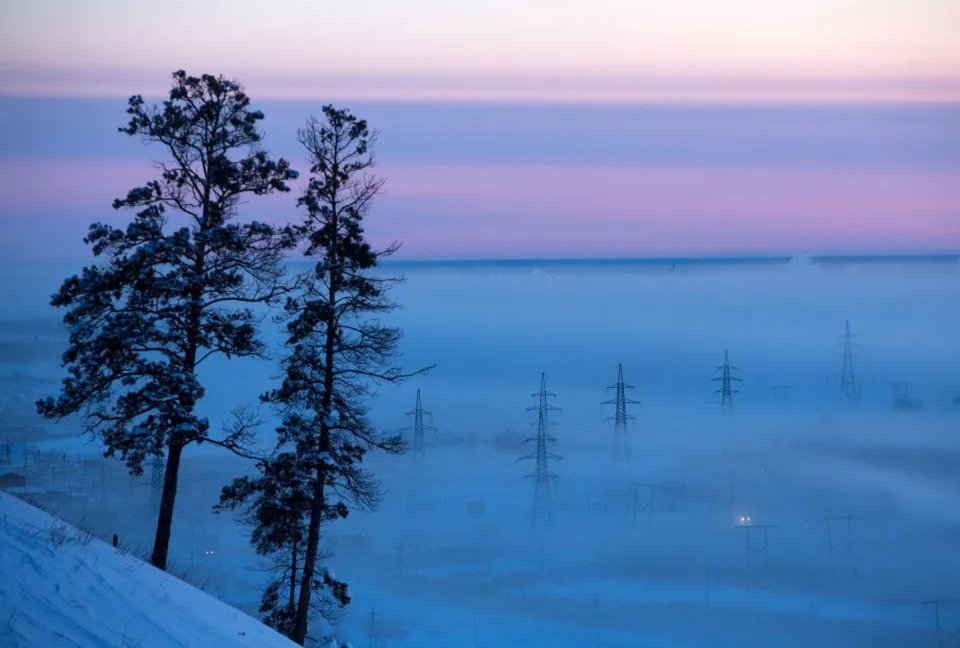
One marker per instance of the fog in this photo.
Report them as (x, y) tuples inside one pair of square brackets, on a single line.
[(858, 502)]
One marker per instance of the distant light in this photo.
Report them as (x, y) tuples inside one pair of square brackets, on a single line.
[(744, 519)]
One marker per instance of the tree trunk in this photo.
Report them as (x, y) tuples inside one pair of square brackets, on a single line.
[(293, 578), (317, 508), (309, 562), (161, 543)]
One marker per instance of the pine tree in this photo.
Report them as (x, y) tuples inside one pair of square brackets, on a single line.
[(176, 285), (278, 510), (337, 352)]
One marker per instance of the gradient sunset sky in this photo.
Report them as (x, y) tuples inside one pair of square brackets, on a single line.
[(523, 129)]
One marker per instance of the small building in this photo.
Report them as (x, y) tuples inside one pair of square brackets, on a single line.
[(12, 480)]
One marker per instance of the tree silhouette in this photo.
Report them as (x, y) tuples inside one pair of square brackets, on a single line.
[(176, 285), (337, 351)]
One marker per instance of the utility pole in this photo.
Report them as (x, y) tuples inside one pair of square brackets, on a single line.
[(849, 387), (846, 548), (781, 393), (374, 639), (756, 551), (936, 612), (621, 442), (726, 379), (419, 415), (542, 496)]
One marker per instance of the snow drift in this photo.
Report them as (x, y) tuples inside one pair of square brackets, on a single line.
[(63, 587)]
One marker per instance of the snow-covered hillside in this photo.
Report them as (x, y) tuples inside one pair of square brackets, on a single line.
[(63, 588)]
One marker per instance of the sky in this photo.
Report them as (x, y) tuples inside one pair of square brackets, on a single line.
[(531, 129)]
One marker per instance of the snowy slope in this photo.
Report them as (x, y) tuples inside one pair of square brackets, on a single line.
[(62, 588)]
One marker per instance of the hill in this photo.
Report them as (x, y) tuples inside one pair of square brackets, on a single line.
[(63, 587)]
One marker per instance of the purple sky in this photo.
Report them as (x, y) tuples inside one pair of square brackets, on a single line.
[(493, 180), (567, 51), (542, 128)]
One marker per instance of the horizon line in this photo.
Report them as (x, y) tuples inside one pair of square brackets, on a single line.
[(746, 257), (767, 258)]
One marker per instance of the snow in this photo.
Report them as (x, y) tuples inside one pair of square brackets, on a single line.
[(64, 588)]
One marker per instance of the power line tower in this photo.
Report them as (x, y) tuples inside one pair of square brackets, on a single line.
[(726, 379), (849, 387), (421, 421), (621, 442), (156, 481), (542, 489)]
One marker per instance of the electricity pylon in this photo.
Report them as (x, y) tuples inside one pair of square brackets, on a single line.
[(849, 387), (726, 379), (542, 489), (621, 442), (421, 421)]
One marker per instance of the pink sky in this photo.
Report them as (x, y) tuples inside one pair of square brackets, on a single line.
[(544, 50), (550, 142), (474, 211), (647, 210)]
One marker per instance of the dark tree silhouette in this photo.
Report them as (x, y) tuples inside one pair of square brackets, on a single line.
[(277, 507), (337, 351), (176, 285)]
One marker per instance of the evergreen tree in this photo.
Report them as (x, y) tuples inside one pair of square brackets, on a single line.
[(337, 351), (277, 506), (176, 285), (278, 509)]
